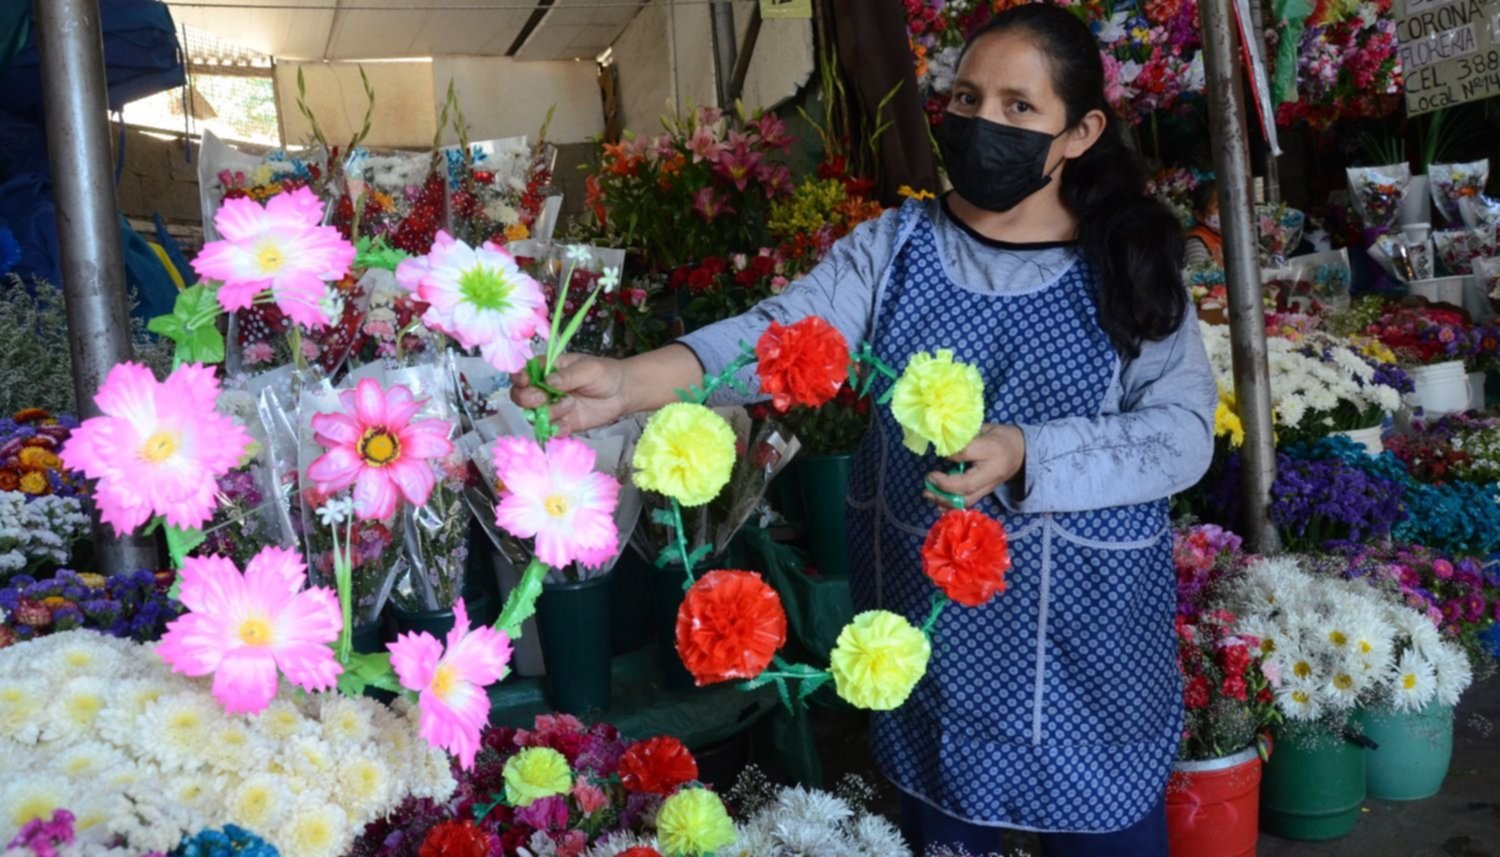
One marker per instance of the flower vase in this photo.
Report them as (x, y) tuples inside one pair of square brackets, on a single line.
[(438, 622), (1313, 786), (1476, 391), (1212, 806), (825, 485), (1412, 751), (573, 620), (481, 577), (1369, 438), (666, 598), (630, 619)]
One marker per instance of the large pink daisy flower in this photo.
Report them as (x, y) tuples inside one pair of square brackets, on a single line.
[(480, 297), (158, 448), (556, 497), (280, 248), (243, 628), (375, 446), (451, 683)]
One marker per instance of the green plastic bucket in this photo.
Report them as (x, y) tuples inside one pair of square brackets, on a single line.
[(1313, 785), (1412, 751), (573, 619), (439, 622), (825, 485)]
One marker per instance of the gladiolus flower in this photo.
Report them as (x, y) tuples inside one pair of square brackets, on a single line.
[(686, 452), (938, 400), (480, 297), (375, 447), (556, 497), (657, 766), (536, 773), (803, 364), (454, 706), (158, 449), (280, 248), (243, 628), (877, 660), (965, 555), (729, 626), (694, 822)]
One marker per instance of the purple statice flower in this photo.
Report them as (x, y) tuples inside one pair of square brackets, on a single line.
[(1391, 375), (1318, 503)]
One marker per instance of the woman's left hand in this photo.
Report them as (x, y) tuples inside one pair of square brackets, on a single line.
[(994, 458)]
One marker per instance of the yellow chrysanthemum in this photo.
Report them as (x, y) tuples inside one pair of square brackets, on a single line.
[(878, 659), (693, 822), (686, 452), (939, 401), (1227, 420), (535, 773), (517, 232)]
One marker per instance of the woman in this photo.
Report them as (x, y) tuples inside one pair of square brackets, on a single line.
[(1055, 708), (1204, 242)]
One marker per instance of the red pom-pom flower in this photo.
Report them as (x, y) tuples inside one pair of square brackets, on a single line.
[(657, 766), (802, 364), (966, 556), (639, 851), (729, 626), (458, 839)]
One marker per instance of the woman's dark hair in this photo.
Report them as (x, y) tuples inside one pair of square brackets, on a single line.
[(1133, 241)]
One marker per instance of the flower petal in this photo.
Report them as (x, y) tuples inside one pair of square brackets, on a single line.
[(414, 657), (374, 495), (246, 680)]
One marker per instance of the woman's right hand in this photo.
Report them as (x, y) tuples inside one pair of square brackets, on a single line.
[(595, 388)]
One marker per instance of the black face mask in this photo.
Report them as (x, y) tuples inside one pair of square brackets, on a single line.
[(991, 165)]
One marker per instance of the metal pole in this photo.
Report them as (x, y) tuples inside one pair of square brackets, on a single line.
[(1247, 320), (71, 46), (724, 43)]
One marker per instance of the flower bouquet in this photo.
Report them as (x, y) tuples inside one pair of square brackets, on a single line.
[(1480, 211), (1227, 699), (1173, 187), (133, 606), (545, 261), (1279, 228), (37, 532), (1449, 183), (1425, 335), (1458, 249), (1379, 193)]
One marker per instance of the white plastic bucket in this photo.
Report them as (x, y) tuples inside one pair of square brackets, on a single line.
[(1369, 438), (1477, 300), (1476, 391), (1439, 290), (1417, 207), (1442, 388)]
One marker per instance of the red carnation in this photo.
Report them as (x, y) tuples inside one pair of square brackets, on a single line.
[(657, 766), (966, 556), (457, 839), (802, 364), (1195, 695), (729, 626), (639, 851)]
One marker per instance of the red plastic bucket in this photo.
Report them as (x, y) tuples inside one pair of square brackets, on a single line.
[(1213, 807)]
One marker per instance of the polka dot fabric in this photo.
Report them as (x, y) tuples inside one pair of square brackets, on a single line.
[(1054, 707)]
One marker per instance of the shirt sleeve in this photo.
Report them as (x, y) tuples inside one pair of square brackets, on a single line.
[(841, 289), (1160, 441), (1196, 253)]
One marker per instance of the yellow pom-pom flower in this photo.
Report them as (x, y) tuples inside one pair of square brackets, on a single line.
[(938, 400), (693, 822), (686, 453), (878, 659), (535, 773), (1227, 420)]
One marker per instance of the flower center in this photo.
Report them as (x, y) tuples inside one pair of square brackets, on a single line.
[(1409, 681), (1267, 646), (379, 447), (443, 681), (485, 288), (270, 259), (255, 631), (159, 447), (556, 505), (1303, 669), (1343, 681), (1337, 638), (1300, 697), (1365, 648)]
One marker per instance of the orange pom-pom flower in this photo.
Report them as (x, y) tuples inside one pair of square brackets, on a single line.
[(966, 556), (657, 766), (802, 364), (729, 627)]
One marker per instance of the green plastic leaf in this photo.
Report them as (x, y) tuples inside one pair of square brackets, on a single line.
[(697, 556), (811, 684), (521, 603), (373, 253), (180, 542), (192, 326), (663, 517)]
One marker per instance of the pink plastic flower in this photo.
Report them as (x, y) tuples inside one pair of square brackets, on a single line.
[(280, 248), (556, 497), (243, 628), (159, 447), (453, 703), (480, 297), (375, 447)]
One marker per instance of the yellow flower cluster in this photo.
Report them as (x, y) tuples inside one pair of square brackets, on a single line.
[(693, 822), (878, 659), (938, 400), (686, 452), (810, 207), (535, 773), (1227, 419)]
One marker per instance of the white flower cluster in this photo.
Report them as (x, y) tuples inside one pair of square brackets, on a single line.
[(1331, 645), (1303, 386), (38, 530), (395, 173), (101, 727), (798, 822)]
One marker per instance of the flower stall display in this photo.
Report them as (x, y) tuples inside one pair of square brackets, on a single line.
[(1450, 183), (143, 757), (131, 605), (1173, 187), (497, 189), (1337, 61), (1378, 193)]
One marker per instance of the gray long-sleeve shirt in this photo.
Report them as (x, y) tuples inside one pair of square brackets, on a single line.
[(1154, 434)]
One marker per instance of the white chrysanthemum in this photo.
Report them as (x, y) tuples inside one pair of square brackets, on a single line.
[(281, 720), (233, 746), (802, 835), (431, 774), (813, 804), (876, 837), (1346, 684), (128, 701), (80, 654), (366, 788), (197, 792), (92, 809), (122, 778), (1426, 639), (1413, 683), (87, 762), (1298, 664), (260, 803), (755, 839), (1299, 699), (31, 796), (344, 720), (309, 757), (1452, 673), (23, 701), (71, 717), (1371, 639), (314, 830), (180, 725), (1270, 633)]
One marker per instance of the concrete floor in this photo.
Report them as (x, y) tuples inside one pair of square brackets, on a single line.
[(1461, 821)]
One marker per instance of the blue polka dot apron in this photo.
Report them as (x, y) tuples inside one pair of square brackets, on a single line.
[(1055, 707)]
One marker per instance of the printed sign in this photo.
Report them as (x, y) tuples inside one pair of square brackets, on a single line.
[(1449, 51), (786, 8)]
